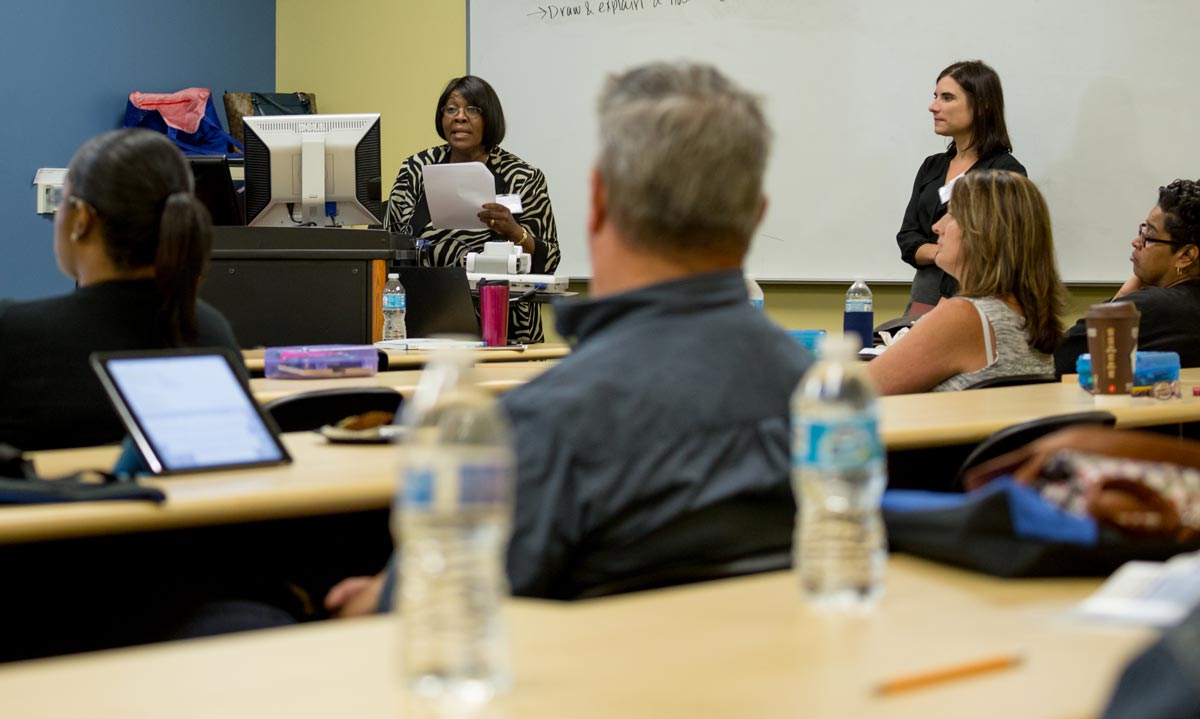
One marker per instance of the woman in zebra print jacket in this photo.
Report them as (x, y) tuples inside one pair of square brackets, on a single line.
[(469, 118)]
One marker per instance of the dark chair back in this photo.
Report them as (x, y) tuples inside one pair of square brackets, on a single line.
[(897, 324), (1018, 435), (781, 559), (311, 410), (743, 535), (1014, 380)]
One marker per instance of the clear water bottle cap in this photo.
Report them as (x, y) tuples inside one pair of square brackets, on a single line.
[(393, 275)]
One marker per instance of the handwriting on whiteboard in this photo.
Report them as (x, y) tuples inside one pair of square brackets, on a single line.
[(593, 8)]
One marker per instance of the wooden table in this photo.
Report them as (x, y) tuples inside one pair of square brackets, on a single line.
[(913, 421), (329, 479), (1189, 377), (402, 359), (745, 647), (332, 479), (323, 479), (498, 377), (935, 419)]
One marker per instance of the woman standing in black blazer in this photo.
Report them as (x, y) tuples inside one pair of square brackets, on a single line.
[(968, 107)]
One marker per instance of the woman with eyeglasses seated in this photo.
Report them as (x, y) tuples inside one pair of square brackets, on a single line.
[(995, 240), (471, 121), (136, 240), (1165, 285), (968, 108)]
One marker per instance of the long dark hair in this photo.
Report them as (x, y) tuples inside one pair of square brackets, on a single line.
[(479, 93), (989, 133), (141, 189)]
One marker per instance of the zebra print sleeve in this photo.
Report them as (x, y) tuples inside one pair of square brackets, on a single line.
[(406, 192), (404, 197), (538, 218)]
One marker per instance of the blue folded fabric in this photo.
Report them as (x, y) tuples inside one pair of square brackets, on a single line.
[(1030, 515)]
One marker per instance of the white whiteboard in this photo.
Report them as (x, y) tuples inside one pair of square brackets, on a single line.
[(1102, 108)]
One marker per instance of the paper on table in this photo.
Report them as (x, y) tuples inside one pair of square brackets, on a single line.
[(1150, 593), (428, 343), (435, 343), (456, 194)]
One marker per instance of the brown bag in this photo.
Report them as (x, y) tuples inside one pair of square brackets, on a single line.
[(1141, 483), (240, 104)]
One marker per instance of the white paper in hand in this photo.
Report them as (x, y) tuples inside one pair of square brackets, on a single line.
[(512, 202), (456, 194)]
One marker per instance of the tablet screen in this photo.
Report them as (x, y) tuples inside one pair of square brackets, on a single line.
[(189, 412)]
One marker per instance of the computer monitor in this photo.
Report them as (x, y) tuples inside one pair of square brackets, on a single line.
[(312, 170)]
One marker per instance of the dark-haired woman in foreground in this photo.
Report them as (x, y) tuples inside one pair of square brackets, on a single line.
[(471, 121), (132, 235), (968, 108)]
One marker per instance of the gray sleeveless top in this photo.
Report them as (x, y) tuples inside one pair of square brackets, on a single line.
[(1012, 354)]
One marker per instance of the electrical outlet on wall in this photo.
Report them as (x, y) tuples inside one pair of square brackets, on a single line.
[(48, 182)]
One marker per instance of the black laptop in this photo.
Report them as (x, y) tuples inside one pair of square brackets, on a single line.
[(439, 302)]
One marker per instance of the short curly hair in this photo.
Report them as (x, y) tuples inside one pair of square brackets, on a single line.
[(1180, 202)]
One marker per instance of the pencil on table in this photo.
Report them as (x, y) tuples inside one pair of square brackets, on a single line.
[(948, 673)]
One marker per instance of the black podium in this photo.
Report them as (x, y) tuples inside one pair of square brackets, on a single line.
[(304, 285)]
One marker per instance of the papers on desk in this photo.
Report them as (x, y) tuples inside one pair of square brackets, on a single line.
[(1158, 594), (890, 338), (457, 193), (440, 343), (427, 343)]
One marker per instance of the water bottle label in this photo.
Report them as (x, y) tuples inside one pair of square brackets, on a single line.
[(860, 305), (446, 483), (395, 302), (837, 445)]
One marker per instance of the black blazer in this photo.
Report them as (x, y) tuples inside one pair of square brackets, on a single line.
[(925, 208)]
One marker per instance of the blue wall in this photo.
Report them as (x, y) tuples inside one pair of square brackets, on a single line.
[(67, 69)]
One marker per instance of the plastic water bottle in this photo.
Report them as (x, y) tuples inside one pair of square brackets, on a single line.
[(838, 477), (755, 292), (859, 316), (451, 523), (395, 303)]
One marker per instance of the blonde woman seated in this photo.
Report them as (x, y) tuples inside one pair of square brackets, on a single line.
[(996, 241)]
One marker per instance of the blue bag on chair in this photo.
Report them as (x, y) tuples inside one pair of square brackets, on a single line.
[(188, 117)]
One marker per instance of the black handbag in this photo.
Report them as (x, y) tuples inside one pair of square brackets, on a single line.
[(281, 103)]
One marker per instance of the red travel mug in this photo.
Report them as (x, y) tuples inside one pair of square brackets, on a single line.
[(493, 311)]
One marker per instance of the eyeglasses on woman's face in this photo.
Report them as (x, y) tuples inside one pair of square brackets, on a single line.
[(1143, 240), (472, 112)]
